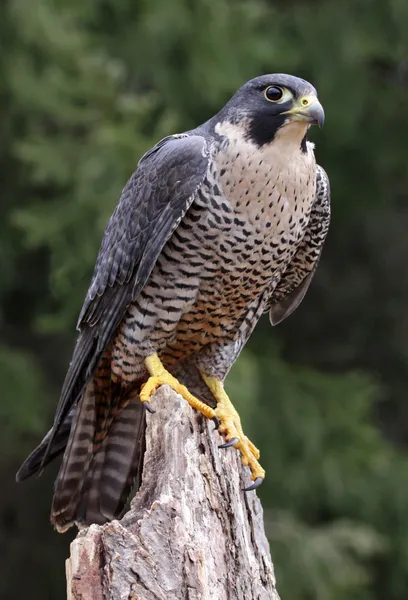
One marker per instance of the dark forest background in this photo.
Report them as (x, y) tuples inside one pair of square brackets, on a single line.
[(85, 89)]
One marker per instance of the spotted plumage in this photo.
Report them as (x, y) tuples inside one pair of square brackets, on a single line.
[(215, 227)]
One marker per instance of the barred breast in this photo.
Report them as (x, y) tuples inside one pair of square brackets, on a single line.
[(235, 241)]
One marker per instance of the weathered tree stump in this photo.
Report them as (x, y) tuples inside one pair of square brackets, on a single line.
[(191, 533)]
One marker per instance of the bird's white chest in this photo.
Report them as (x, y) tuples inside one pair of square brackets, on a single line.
[(272, 188)]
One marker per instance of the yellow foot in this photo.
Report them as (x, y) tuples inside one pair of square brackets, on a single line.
[(159, 376), (230, 426)]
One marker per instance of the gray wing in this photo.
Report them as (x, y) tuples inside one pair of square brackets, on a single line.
[(151, 206), (295, 282)]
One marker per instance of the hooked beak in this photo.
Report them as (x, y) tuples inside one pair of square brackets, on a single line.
[(308, 109)]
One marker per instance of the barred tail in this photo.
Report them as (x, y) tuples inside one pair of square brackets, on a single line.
[(115, 467), (95, 479)]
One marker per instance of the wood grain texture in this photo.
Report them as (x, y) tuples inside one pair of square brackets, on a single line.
[(191, 533)]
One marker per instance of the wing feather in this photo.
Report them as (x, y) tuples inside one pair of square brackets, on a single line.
[(151, 206)]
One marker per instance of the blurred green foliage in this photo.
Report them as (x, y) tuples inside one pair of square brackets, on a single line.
[(86, 88)]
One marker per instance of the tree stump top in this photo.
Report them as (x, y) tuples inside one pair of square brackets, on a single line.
[(191, 532)]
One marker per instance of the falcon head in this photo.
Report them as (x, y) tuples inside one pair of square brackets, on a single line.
[(270, 103)]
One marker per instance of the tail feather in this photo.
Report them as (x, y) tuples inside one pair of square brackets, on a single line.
[(102, 435), (115, 467), (76, 462), (95, 479)]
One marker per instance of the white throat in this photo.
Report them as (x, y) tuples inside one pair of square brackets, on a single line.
[(281, 151)]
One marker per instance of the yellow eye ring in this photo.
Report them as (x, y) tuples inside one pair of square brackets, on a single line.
[(273, 93)]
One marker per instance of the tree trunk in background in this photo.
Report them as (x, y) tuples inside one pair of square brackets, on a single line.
[(191, 533)]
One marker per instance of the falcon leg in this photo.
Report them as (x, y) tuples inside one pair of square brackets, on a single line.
[(230, 426), (160, 376)]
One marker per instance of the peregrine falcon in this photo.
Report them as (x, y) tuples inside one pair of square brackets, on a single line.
[(216, 226)]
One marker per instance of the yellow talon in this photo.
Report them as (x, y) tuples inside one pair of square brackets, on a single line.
[(230, 426), (160, 376)]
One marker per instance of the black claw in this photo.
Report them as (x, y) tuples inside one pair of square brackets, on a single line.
[(258, 481), (230, 443), (216, 422), (149, 408)]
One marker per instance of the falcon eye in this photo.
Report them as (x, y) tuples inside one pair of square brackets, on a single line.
[(273, 93)]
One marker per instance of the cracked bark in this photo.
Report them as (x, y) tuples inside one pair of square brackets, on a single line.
[(190, 533)]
